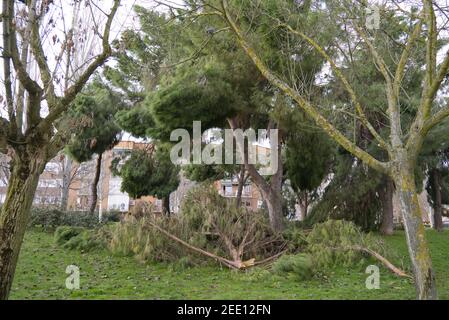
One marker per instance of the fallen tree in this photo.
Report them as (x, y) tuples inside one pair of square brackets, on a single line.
[(209, 226), (237, 253)]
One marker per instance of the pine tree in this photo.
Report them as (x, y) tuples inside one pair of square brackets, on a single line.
[(149, 173), (95, 129)]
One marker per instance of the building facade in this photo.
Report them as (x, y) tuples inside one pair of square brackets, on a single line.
[(79, 177)]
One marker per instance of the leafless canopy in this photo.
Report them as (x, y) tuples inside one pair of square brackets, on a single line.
[(50, 50)]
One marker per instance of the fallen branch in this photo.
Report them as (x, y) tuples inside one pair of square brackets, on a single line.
[(384, 261), (268, 260), (227, 262), (236, 265)]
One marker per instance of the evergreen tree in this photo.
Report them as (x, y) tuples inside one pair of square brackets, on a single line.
[(309, 158), (371, 204), (434, 161), (96, 130), (203, 76), (149, 173), (404, 142)]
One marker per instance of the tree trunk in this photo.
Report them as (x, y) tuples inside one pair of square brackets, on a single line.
[(387, 227), (271, 192), (304, 204), (240, 187), (67, 171), (166, 205), (14, 216), (94, 196), (415, 233), (274, 206), (437, 201)]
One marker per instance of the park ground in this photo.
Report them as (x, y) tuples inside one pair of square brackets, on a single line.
[(42, 265)]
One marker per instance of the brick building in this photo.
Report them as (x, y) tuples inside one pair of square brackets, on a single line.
[(50, 189)]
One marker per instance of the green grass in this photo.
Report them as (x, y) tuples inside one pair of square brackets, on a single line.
[(41, 275)]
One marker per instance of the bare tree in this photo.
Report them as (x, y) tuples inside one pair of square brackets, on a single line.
[(4, 169), (32, 142)]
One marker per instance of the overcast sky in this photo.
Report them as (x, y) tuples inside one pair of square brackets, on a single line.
[(60, 17)]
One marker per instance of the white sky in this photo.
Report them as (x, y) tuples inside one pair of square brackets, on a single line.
[(61, 15)]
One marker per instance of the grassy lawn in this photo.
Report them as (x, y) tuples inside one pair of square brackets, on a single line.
[(41, 275)]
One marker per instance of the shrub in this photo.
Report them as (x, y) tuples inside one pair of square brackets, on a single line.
[(335, 242), (135, 237), (45, 217), (64, 234), (50, 218), (78, 238), (299, 265), (296, 238), (329, 244), (85, 241)]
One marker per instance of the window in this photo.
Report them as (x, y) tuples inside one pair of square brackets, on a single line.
[(115, 185), (52, 167), (228, 191), (49, 183)]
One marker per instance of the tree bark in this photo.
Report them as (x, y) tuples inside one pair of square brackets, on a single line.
[(166, 205), (274, 206), (437, 201), (240, 186), (94, 196), (66, 175), (271, 192), (304, 204), (415, 233), (387, 226), (14, 215)]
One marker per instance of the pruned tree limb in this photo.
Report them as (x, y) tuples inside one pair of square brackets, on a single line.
[(226, 262), (384, 261), (237, 264)]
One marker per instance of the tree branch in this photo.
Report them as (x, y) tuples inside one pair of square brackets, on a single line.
[(345, 82), (305, 105), (13, 52), (7, 60), (38, 51), (4, 125), (394, 114), (252, 171), (70, 94), (431, 61), (425, 121), (384, 261), (400, 70)]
